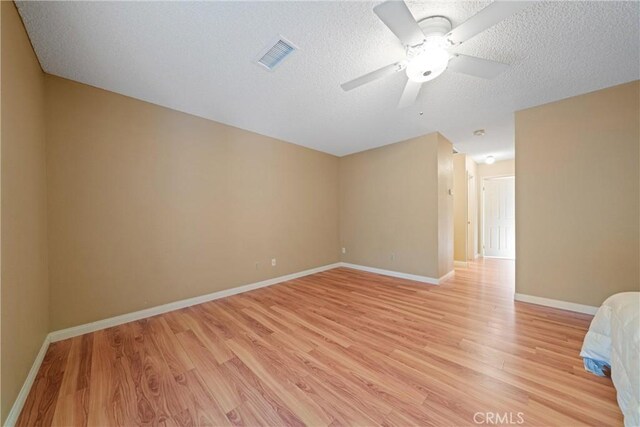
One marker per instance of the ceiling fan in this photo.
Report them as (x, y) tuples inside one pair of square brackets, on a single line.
[(428, 45)]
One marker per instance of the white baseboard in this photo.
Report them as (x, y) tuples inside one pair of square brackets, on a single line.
[(75, 331), (460, 264), (414, 277), (447, 276), (564, 305), (14, 413)]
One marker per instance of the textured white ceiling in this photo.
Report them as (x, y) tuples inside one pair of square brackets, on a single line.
[(197, 57)]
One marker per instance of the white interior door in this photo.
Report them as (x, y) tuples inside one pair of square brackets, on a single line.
[(499, 232)]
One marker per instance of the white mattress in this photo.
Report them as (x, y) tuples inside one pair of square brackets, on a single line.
[(614, 338)]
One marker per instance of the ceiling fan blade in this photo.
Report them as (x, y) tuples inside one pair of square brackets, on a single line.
[(478, 67), (397, 16), (409, 94), (486, 18), (374, 75)]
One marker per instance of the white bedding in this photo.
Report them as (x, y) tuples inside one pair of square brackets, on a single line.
[(614, 338)]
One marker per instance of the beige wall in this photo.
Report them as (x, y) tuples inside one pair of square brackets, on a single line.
[(460, 207), (472, 208), (465, 207), (465, 203), (389, 207), (25, 291), (577, 196), (501, 168), (445, 206), (149, 206), (483, 170)]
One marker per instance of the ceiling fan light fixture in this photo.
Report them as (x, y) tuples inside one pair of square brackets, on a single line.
[(428, 64), (427, 42)]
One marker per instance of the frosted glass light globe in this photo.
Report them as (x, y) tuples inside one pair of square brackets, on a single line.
[(428, 64)]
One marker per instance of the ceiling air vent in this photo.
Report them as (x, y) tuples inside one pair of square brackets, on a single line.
[(273, 55)]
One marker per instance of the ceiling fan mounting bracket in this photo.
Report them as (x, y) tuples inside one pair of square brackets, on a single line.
[(435, 26)]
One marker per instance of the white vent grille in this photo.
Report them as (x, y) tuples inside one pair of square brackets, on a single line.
[(273, 56)]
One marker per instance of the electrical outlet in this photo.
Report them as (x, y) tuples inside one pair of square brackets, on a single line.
[(257, 265), (393, 256), (273, 262), (344, 250)]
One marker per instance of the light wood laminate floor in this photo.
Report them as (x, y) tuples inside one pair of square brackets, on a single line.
[(342, 347)]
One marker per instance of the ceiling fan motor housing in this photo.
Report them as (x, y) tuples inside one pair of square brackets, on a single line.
[(435, 26)]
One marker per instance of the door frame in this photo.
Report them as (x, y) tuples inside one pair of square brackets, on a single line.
[(481, 231), (472, 237)]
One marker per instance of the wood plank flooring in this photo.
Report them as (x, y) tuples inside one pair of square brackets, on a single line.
[(338, 348)]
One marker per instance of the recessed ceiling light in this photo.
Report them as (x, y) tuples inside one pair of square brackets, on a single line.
[(479, 132), (490, 160)]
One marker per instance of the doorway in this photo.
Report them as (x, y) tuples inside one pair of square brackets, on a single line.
[(498, 228)]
